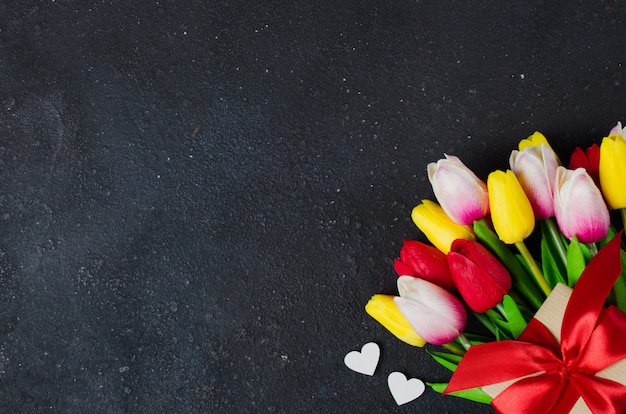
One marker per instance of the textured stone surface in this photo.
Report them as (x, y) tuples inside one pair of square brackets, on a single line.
[(199, 197)]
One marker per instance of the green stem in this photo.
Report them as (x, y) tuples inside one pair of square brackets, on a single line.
[(532, 265), (555, 234), (486, 322), (500, 308), (622, 212), (454, 349), (465, 342), (593, 249)]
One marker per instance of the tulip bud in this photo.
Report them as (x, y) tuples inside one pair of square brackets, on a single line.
[(480, 278), (440, 230), (589, 160), (613, 170), (461, 194), (535, 140), (535, 169), (434, 313), (579, 207), (424, 261), (618, 129), (511, 212), (383, 309)]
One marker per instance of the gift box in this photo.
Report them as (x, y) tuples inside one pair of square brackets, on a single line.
[(571, 358), (556, 327), (551, 316)]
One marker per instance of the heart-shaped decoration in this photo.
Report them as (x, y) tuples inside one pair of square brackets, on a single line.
[(363, 362), (404, 390)]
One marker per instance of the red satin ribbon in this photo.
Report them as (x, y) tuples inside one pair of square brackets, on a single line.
[(592, 338)]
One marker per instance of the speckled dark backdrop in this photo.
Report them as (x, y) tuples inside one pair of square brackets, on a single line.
[(199, 197)]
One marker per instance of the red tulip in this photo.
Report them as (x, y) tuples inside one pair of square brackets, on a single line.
[(480, 278), (589, 160), (426, 262)]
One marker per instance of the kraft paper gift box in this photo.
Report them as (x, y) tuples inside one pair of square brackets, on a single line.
[(551, 315)]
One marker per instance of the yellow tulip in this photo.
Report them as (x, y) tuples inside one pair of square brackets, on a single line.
[(384, 310), (613, 170), (537, 139), (511, 212), (440, 230)]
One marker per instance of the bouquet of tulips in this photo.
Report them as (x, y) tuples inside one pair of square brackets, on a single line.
[(480, 263)]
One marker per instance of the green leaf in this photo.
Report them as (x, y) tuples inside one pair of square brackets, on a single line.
[(575, 261), (555, 247), (476, 339), (503, 330), (449, 361), (474, 394), (611, 233), (551, 269), (494, 316), (618, 297), (527, 313), (587, 251), (486, 322), (514, 316), (437, 386), (619, 289)]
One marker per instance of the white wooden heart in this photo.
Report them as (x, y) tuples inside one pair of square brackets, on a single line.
[(403, 390), (363, 362)]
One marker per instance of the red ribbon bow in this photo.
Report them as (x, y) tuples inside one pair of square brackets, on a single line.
[(554, 376)]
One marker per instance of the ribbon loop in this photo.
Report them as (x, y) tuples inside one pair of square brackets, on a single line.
[(550, 377)]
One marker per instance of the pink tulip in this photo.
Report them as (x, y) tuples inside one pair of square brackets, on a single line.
[(461, 194), (424, 261), (480, 278), (535, 169), (579, 206), (433, 312), (617, 129)]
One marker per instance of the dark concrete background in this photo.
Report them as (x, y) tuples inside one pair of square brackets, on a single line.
[(199, 197)]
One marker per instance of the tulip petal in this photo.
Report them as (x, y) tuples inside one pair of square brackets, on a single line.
[(440, 230), (589, 160), (478, 254), (425, 262), (617, 129), (480, 291), (613, 170), (435, 314), (384, 310), (511, 212), (593, 154), (536, 139), (578, 159), (535, 169), (579, 207), (403, 269), (461, 194)]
